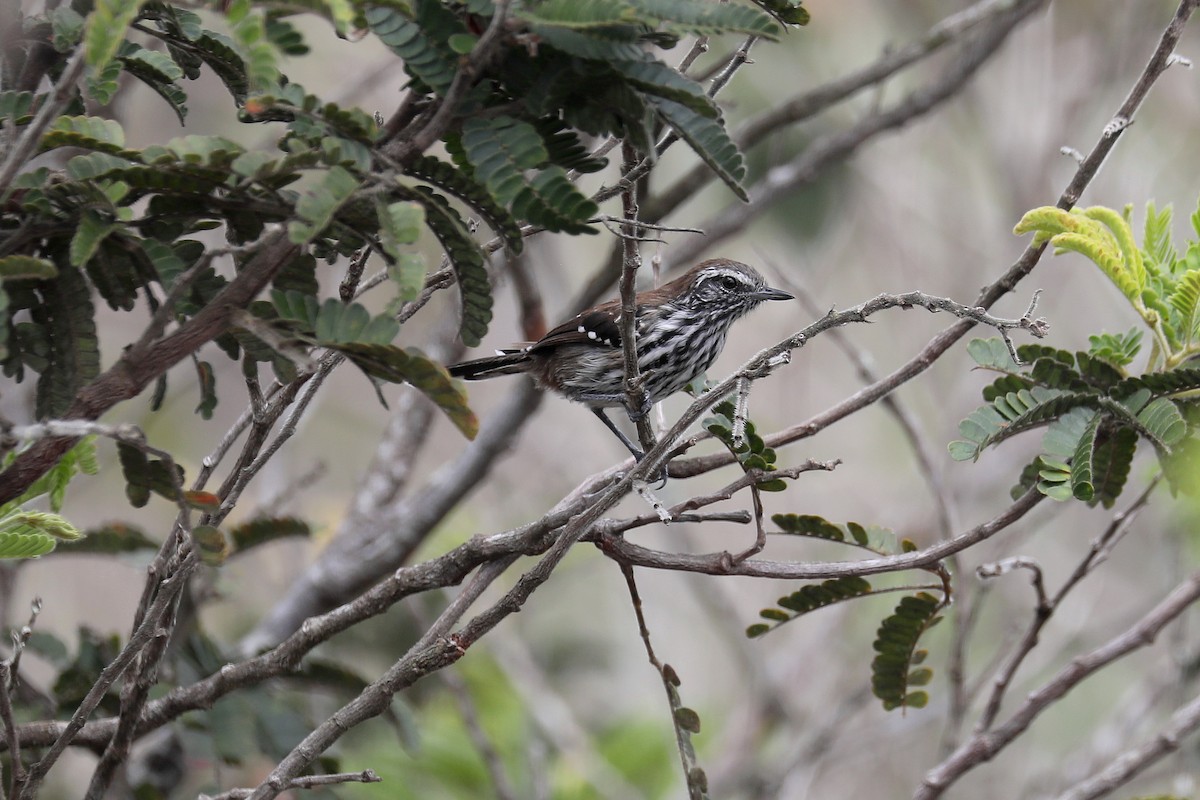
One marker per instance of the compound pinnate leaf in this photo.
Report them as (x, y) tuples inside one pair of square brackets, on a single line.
[(397, 365)]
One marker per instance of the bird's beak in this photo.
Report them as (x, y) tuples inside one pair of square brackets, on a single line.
[(772, 294)]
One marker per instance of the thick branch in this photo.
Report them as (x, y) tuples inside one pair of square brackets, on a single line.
[(985, 745), (144, 362)]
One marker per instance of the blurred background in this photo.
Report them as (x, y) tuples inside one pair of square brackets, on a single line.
[(564, 688)]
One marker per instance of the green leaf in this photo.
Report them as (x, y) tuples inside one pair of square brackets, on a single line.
[(212, 544), (709, 140), (581, 14), (67, 318), (565, 148), (111, 539), (1185, 299), (18, 106), (15, 268), (67, 28), (553, 201), (24, 545), (1011, 414), (1098, 233), (598, 43), (868, 537), (433, 64), (1082, 486), (1163, 421), (317, 207), (654, 77), (79, 460), (337, 322), (90, 232), (896, 649), (105, 30), (1117, 349), (30, 523), (261, 530), (1156, 238), (221, 56), (400, 224), (396, 365), (812, 597), (1110, 464), (700, 18), (1064, 434), (257, 50), (158, 71), (144, 475), (790, 12), (500, 149), (1175, 381), (457, 183), (408, 273), (93, 133), (466, 257)]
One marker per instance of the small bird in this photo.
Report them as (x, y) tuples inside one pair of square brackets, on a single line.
[(681, 329)]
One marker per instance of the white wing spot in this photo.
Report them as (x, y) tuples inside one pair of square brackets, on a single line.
[(591, 335), (582, 329)]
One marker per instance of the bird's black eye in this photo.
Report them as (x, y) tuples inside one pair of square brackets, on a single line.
[(729, 282)]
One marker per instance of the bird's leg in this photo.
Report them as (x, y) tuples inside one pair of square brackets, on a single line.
[(638, 455), (612, 426)]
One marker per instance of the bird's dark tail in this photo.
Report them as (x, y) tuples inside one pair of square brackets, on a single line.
[(505, 362)]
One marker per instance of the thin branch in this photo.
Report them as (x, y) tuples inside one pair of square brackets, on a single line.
[(780, 181), (25, 147), (637, 401), (16, 766), (984, 746), (1136, 760), (1046, 608), (693, 776), (306, 782), (169, 590), (468, 69), (138, 366)]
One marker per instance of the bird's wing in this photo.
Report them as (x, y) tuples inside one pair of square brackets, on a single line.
[(598, 326)]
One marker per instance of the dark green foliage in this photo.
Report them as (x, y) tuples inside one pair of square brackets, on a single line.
[(396, 365), (65, 317), (77, 676), (868, 537), (446, 177), (1093, 414), (467, 259), (752, 453), (115, 220), (809, 598), (896, 653), (109, 539), (261, 530)]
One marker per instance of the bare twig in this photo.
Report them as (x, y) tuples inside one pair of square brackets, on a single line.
[(1136, 760), (306, 782), (637, 402), (1047, 606), (16, 766), (693, 775), (985, 745), (168, 592)]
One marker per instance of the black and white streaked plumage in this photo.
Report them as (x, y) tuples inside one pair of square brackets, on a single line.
[(681, 329)]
